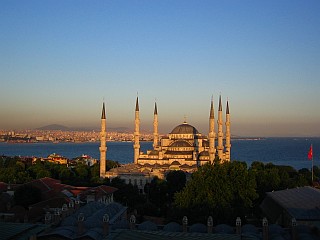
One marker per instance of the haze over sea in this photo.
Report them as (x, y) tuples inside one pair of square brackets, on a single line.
[(280, 151)]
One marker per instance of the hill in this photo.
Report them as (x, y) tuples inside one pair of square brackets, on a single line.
[(54, 127), (59, 127)]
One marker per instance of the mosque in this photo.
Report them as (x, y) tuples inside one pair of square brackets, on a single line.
[(184, 148)]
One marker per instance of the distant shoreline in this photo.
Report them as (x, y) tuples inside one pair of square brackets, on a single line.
[(232, 139)]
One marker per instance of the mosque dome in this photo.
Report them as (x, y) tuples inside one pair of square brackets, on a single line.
[(180, 144), (184, 128), (204, 154)]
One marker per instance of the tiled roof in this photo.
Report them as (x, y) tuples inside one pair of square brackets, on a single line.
[(3, 186), (159, 235), (56, 202), (93, 213), (20, 230), (301, 203), (107, 189)]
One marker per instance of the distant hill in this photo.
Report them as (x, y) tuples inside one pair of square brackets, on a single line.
[(54, 127), (119, 129)]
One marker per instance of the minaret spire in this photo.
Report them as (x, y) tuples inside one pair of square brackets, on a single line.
[(228, 134), (155, 127), (137, 104), (211, 109), (136, 144), (212, 134), (220, 105), (220, 133), (155, 109), (103, 115), (103, 145)]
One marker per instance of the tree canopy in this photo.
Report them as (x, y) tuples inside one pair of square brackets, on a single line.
[(222, 190)]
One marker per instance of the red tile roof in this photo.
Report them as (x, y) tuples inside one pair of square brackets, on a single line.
[(52, 188), (3, 186)]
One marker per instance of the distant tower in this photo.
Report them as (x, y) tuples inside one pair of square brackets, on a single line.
[(220, 133), (103, 147), (136, 145), (155, 127), (228, 135), (212, 150)]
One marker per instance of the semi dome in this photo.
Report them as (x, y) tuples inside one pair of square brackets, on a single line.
[(180, 144), (204, 153), (184, 128)]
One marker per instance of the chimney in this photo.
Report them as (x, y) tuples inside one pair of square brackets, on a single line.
[(80, 224), (77, 204), (210, 224), (294, 229), (265, 229), (47, 218), (238, 225), (105, 221), (71, 207), (132, 222), (64, 210), (57, 214), (185, 224)]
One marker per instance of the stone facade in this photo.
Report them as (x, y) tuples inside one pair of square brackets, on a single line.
[(184, 148), (184, 145)]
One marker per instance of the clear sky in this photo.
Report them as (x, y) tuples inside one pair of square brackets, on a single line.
[(60, 59)]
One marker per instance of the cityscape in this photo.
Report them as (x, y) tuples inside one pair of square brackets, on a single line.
[(56, 136)]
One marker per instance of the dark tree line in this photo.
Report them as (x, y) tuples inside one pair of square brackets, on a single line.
[(221, 190), (14, 170), (229, 190)]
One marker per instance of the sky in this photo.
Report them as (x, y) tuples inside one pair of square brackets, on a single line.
[(59, 60)]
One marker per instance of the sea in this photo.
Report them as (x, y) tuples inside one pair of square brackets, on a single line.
[(279, 151)]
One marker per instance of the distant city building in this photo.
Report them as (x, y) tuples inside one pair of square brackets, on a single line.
[(56, 158), (184, 148)]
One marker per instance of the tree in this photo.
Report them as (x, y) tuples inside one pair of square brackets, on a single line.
[(127, 194), (65, 175), (27, 195), (176, 181), (43, 173), (82, 171), (157, 194), (112, 164), (222, 190)]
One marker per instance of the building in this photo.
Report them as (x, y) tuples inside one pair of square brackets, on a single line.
[(184, 148), (301, 204)]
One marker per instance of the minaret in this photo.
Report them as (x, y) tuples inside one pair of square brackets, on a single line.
[(136, 144), (228, 135), (103, 147), (212, 150), (155, 127), (220, 133)]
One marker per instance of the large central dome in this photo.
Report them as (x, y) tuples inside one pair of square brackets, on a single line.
[(184, 128)]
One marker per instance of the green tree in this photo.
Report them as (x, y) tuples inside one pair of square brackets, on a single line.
[(222, 190), (65, 175), (176, 181), (112, 164), (27, 195), (157, 193), (127, 194), (42, 173), (82, 171)]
